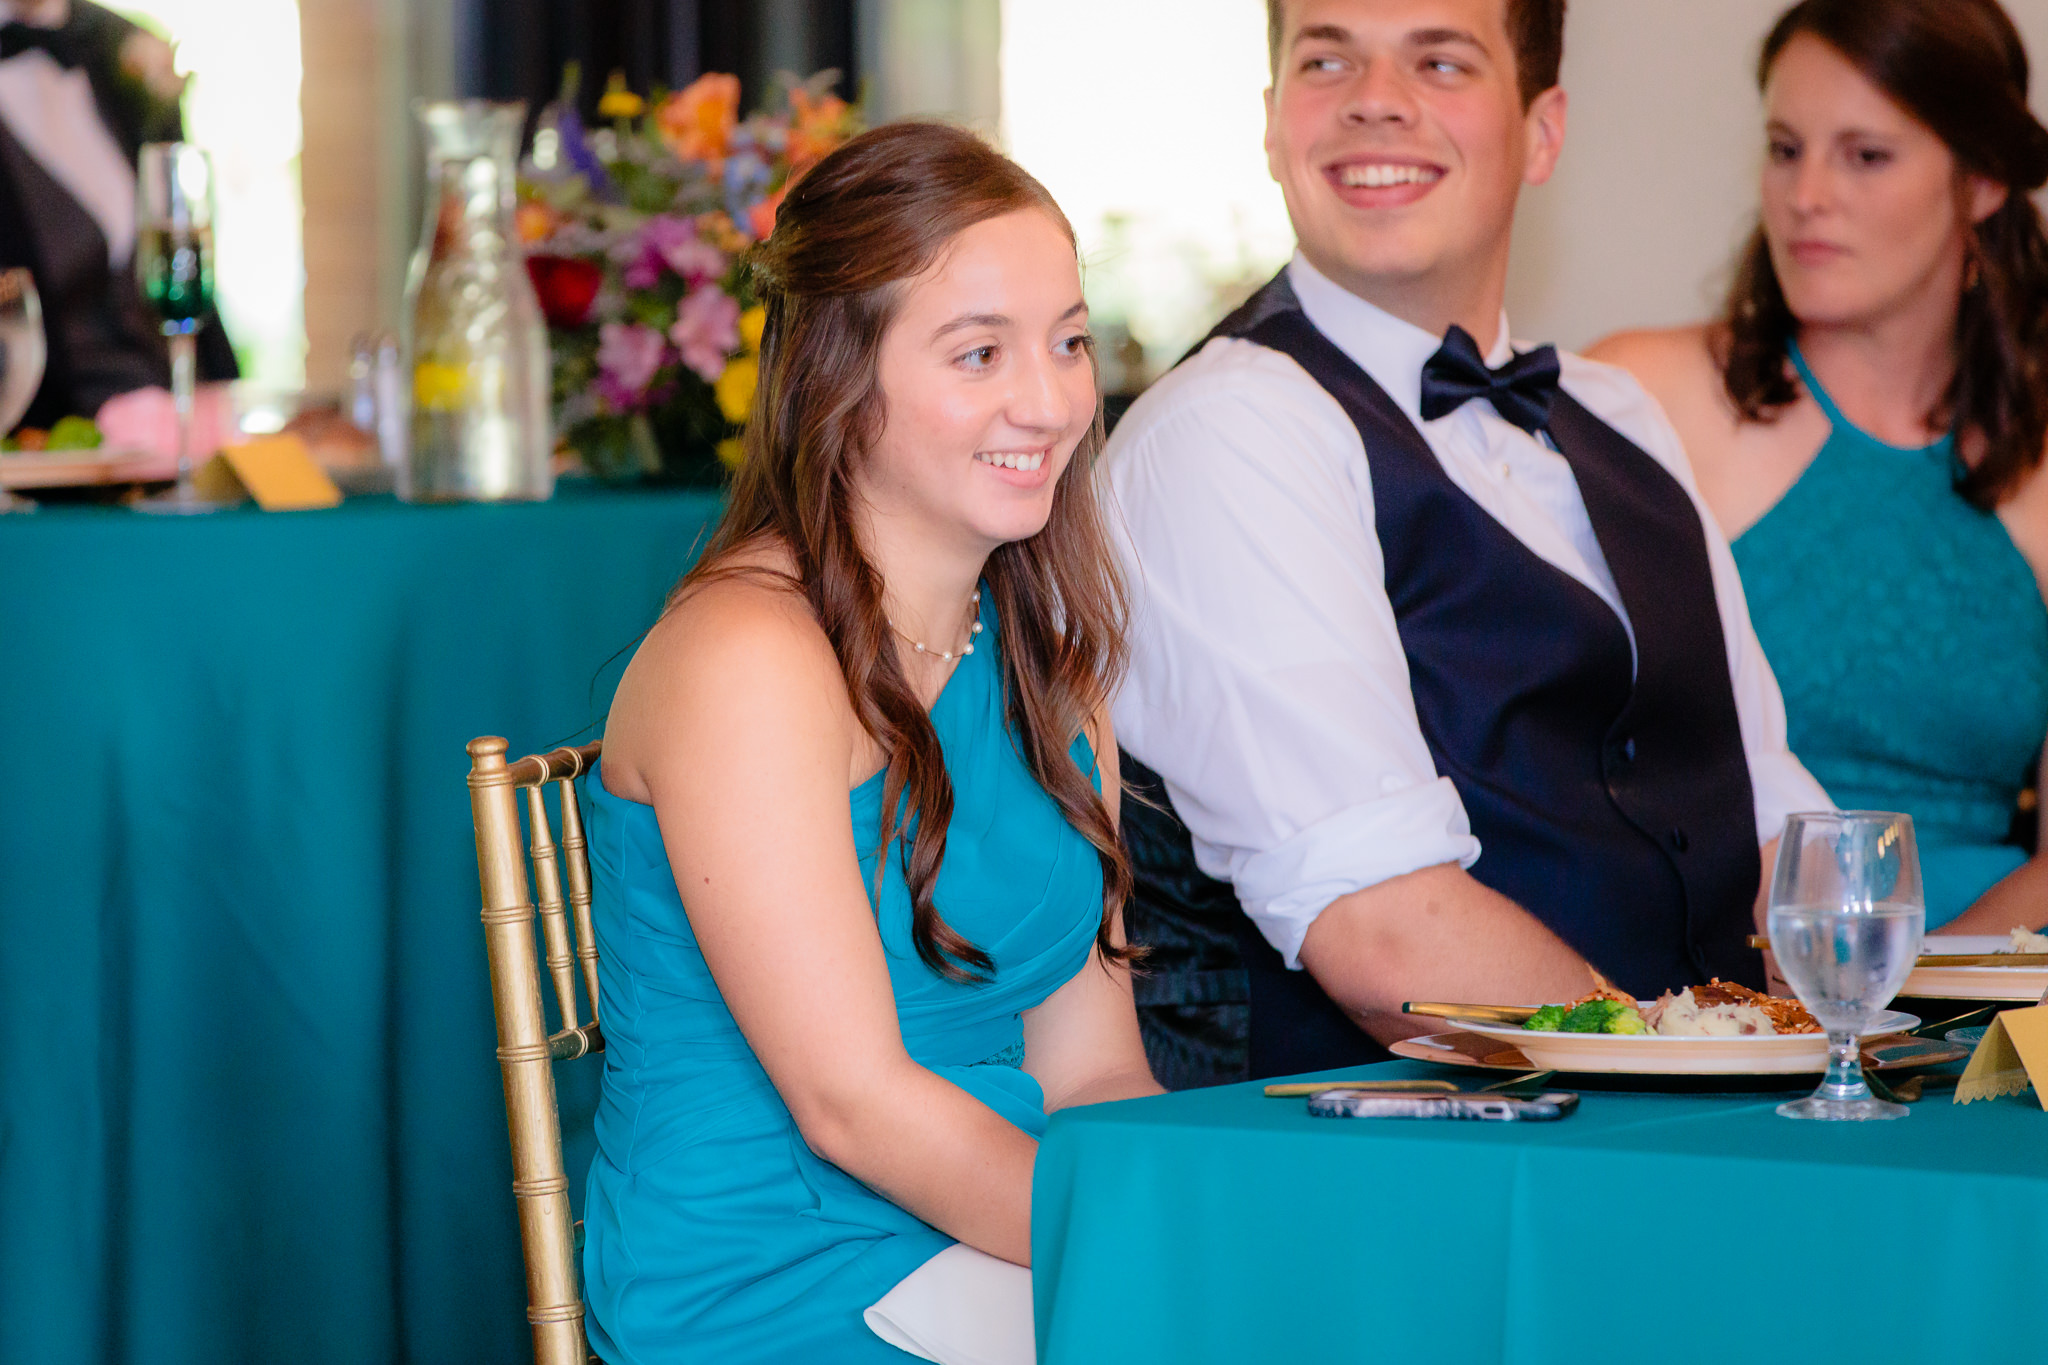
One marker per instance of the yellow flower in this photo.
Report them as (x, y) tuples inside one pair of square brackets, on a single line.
[(735, 388), (752, 323), (731, 451), (618, 101), (437, 387)]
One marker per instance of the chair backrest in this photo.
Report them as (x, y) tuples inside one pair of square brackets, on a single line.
[(527, 1050)]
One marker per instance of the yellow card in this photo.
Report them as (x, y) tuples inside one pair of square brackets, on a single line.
[(2013, 1055), (278, 471)]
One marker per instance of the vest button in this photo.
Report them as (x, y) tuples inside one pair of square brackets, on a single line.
[(1678, 839)]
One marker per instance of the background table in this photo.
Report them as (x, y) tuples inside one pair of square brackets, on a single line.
[(1218, 1225), (249, 1108)]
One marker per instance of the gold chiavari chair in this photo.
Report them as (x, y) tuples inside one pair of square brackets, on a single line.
[(527, 1051)]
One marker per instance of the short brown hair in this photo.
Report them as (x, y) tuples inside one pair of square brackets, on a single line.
[(1535, 27)]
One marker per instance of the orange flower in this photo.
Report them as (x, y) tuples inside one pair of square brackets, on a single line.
[(697, 121), (533, 221), (761, 217), (722, 232), (819, 126)]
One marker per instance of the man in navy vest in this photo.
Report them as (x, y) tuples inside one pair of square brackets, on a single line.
[(1442, 678)]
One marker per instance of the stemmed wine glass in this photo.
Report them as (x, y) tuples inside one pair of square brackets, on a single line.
[(1846, 915), (174, 265), (22, 355)]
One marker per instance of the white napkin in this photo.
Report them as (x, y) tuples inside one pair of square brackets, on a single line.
[(962, 1307)]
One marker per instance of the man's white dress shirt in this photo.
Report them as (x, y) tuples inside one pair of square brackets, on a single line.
[(1268, 686)]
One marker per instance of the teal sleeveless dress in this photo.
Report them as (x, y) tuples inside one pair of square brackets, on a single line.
[(712, 1232), (1911, 642)]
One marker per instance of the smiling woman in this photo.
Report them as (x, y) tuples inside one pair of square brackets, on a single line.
[(854, 843)]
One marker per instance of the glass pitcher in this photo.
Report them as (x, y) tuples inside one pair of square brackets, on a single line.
[(477, 343)]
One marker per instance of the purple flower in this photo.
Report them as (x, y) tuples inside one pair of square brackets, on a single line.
[(628, 354), (706, 330), (672, 242)]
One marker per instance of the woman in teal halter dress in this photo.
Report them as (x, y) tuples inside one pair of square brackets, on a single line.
[(706, 1215), (1867, 421), (1911, 642), (855, 868)]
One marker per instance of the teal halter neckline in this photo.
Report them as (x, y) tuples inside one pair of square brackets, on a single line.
[(1841, 423)]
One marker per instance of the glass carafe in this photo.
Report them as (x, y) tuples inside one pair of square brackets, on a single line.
[(476, 340)]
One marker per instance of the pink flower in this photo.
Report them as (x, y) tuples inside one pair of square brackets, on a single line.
[(674, 243), (706, 330), (628, 354)]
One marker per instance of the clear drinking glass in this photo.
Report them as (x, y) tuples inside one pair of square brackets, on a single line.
[(1846, 915), (22, 355), (174, 266)]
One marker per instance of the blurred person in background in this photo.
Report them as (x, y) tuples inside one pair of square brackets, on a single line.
[(81, 89), (1867, 419)]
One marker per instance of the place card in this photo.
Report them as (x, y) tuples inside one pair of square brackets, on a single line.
[(2012, 1056), (278, 471)]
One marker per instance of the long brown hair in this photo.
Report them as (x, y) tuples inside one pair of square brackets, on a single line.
[(1959, 67), (870, 217)]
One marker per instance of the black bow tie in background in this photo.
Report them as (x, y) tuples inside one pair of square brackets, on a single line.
[(1521, 390), (17, 38)]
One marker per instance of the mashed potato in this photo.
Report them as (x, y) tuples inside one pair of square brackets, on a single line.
[(1681, 1016)]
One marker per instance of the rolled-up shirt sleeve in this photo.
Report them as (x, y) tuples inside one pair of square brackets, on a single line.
[(1268, 686)]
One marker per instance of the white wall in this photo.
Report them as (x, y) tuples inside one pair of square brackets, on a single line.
[(1149, 134), (1657, 188)]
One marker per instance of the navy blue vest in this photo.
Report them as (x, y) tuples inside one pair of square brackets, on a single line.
[(1614, 805)]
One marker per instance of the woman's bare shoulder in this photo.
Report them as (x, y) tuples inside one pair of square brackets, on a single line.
[(1678, 361), (738, 649)]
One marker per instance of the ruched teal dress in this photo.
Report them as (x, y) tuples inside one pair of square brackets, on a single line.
[(1911, 641), (712, 1233)]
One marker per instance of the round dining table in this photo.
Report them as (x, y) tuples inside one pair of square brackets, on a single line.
[(250, 1108)]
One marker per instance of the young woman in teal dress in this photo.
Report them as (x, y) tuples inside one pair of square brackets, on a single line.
[(1867, 422), (854, 834)]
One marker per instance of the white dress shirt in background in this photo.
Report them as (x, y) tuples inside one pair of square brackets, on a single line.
[(1268, 686)]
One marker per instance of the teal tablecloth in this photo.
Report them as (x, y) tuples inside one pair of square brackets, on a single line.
[(1218, 1225), (249, 1109)]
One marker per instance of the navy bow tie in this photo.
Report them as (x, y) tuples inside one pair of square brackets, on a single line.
[(17, 38), (1521, 390)]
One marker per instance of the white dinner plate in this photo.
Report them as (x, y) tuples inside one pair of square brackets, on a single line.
[(1652, 1054), (1974, 983)]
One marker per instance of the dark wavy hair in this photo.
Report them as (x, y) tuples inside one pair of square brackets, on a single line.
[(1535, 28), (1959, 67), (862, 223)]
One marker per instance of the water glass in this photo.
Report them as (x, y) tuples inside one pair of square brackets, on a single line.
[(1846, 915), (21, 358)]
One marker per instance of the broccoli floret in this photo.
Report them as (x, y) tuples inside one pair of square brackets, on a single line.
[(74, 433), (1591, 1017), (1546, 1020), (1626, 1020)]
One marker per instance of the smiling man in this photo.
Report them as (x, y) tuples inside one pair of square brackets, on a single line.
[(1441, 677)]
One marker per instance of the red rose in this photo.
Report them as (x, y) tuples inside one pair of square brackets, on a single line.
[(566, 287)]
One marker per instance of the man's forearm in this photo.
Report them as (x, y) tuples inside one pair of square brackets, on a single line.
[(1435, 934)]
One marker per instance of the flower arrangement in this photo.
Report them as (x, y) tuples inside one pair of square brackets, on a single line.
[(635, 234)]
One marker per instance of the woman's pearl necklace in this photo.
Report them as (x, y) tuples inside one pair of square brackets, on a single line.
[(945, 656)]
